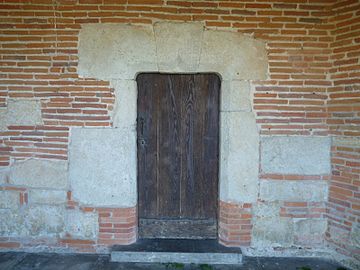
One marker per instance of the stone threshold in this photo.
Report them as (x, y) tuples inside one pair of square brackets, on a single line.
[(177, 251)]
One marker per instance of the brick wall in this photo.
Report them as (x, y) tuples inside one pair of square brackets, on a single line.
[(312, 89)]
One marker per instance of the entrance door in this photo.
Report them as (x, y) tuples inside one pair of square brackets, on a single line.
[(178, 151)]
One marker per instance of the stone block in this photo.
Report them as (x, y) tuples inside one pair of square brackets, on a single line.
[(295, 155), (310, 232), (272, 232), (297, 191), (44, 220), (116, 51), (47, 196), (103, 166), (40, 173), (81, 225), (239, 157), (11, 223), (233, 55), (36, 221), (178, 46), (235, 96), (9, 199), (4, 176), (124, 113), (23, 112), (355, 236)]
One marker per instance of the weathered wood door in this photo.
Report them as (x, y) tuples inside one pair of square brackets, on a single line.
[(178, 151)]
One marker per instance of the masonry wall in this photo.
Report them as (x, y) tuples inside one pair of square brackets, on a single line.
[(310, 95)]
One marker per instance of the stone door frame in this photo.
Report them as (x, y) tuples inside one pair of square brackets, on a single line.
[(119, 52)]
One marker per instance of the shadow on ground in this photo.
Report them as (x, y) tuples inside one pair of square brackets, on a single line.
[(47, 261)]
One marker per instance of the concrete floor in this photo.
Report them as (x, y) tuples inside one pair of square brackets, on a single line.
[(47, 261)]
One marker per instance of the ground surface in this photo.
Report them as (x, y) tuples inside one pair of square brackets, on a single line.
[(47, 261)]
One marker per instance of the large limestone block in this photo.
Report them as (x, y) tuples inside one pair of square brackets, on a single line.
[(178, 46), (45, 220), (40, 173), (239, 155), (103, 166), (310, 232), (269, 229), (272, 231), (4, 176), (235, 96), (297, 191), (295, 155), (23, 112), (81, 225), (47, 196), (9, 199), (233, 55), (118, 51), (11, 223), (125, 113)]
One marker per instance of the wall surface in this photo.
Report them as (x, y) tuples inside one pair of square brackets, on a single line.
[(67, 92)]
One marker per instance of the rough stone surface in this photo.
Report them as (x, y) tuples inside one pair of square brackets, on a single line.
[(309, 232), (103, 166), (46, 220), (178, 46), (43, 220), (235, 96), (81, 225), (303, 191), (47, 196), (355, 235), (269, 229), (9, 199), (119, 51), (4, 176), (295, 155), (239, 157), (233, 56), (39, 173), (21, 112), (116, 51), (124, 113)]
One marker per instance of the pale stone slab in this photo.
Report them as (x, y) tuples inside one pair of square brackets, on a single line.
[(310, 232), (178, 46), (233, 55), (4, 176), (81, 225), (235, 96), (46, 220), (3, 125), (117, 51), (103, 166), (295, 155), (47, 196), (239, 157), (11, 223), (268, 226), (176, 257), (125, 113), (23, 112), (303, 191), (355, 235), (40, 173), (9, 199)]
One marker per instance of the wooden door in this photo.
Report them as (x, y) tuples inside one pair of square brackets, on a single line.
[(178, 152)]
